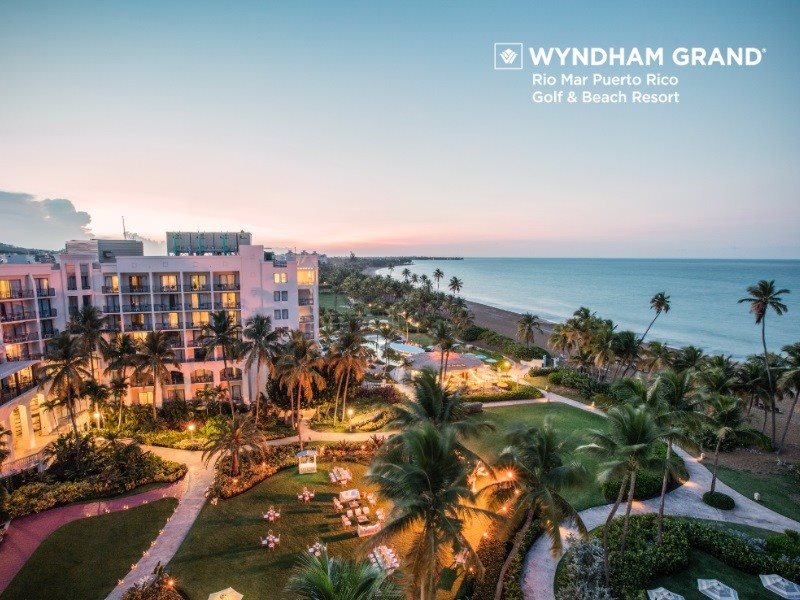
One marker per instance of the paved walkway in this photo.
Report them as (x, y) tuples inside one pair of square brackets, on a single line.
[(197, 481), (540, 565)]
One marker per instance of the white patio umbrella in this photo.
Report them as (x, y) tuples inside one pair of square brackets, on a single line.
[(716, 590), (226, 594), (781, 586), (663, 594)]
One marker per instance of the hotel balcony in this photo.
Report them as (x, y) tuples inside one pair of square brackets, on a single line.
[(200, 306), (139, 308), (169, 326), (226, 287), (19, 338), (138, 327), (305, 301), (45, 292), (112, 328), (50, 313), (167, 289), (230, 305), (9, 392), (136, 289), (197, 287), (16, 294), (113, 309), (24, 357), (14, 317), (307, 319), (167, 307), (110, 289), (46, 335), (202, 378)]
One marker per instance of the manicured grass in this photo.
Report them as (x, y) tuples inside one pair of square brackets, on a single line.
[(541, 382), (705, 566), (571, 423), (86, 558), (778, 492), (329, 302), (421, 339)]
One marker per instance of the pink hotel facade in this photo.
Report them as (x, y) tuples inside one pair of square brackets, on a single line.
[(174, 293)]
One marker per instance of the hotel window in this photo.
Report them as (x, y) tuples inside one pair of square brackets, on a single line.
[(277, 316), (280, 296), (228, 300), (146, 397), (169, 283), (285, 313), (172, 319), (306, 276), (227, 279), (194, 301), (111, 283), (85, 282), (5, 288), (42, 285), (280, 278), (197, 282), (72, 282)]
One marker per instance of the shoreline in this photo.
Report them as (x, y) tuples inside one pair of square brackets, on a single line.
[(504, 321)]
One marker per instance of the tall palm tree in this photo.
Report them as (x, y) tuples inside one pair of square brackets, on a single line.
[(387, 332), (763, 298), (789, 383), (154, 358), (349, 362), (536, 478), (406, 273), (414, 278), (688, 357), (88, 324), (120, 355), (660, 304), (442, 336), (527, 326), (438, 275), (627, 447), (261, 351), (300, 372), (677, 410), (223, 332), (335, 578), (455, 285), (240, 440), (425, 481), (729, 423), (66, 369)]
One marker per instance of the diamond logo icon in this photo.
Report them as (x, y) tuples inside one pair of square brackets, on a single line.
[(508, 56)]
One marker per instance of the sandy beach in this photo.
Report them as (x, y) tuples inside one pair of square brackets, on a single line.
[(505, 322)]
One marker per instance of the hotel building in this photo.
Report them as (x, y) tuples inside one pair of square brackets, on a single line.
[(201, 273)]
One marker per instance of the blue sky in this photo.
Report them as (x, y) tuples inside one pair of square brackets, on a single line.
[(383, 128)]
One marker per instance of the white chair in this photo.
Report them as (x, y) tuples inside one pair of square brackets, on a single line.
[(350, 513), (346, 522), (365, 510), (358, 512)]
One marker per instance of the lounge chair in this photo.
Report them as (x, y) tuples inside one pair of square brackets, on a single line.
[(350, 514)]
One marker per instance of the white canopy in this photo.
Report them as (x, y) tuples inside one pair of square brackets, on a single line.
[(781, 586), (348, 495), (226, 594), (663, 594), (455, 362), (716, 590)]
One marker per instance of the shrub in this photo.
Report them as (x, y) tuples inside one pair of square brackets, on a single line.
[(472, 333), (585, 385), (523, 352), (648, 483), (541, 371), (583, 576), (719, 500), (515, 392), (784, 544), (386, 394)]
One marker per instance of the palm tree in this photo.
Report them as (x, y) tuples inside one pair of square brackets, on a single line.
[(88, 324), (660, 304), (789, 383), (676, 408), (729, 423), (443, 337), (65, 368), (406, 273), (455, 285), (387, 332), (627, 447), (763, 297), (154, 359), (688, 357), (300, 371), (535, 478), (240, 440), (120, 355), (223, 332), (527, 327), (438, 275), (335, 578), (4, 451), (425, 481), (262, 350), (348, 360), (414, 278)]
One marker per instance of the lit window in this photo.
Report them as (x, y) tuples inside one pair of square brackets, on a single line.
[(306, 276), (280, 278)]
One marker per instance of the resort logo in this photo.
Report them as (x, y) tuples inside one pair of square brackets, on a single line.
[(508, 56)]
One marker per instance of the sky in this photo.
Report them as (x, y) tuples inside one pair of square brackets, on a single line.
[(382, 128)]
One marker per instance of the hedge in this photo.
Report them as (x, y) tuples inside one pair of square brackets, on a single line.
[(719, 500), (648, 483), (582, 383), (522, 392)]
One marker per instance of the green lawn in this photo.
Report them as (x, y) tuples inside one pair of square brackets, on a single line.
[(85, 559), (329, 302), (778, 492), (223, 547), (705, 566), (541, 382), (572, 423)]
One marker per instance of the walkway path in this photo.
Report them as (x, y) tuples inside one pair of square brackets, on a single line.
[(540, 565), (197, 481)]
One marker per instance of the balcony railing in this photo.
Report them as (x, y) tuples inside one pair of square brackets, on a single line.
[(18, 338), (233, 377), (31, 356), (46, 335), (200, 306), (202, 379), (137, 327), (167, 307), (136, 289), (139, 308), (10, 392), (196, 325), (308, 319), (111, 309), (231, 305), (113, 327), (226, 287), (168, 288), (111, 289), (16, 294), (198, 287), (17, 316), (167, 326), (305, 301), (48, 313), (45, 292)]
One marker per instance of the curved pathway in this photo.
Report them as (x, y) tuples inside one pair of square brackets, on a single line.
[(538, 574)]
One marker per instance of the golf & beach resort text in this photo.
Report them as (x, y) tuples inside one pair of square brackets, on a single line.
[(634, 96)]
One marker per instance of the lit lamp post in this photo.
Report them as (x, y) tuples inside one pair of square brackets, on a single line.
[(191, 428), (350, 418), (97, 418)]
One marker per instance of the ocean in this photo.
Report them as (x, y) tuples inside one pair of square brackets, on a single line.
[(704, 293)]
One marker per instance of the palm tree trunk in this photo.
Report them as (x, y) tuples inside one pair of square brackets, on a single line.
[(336, 399), (714, 472), (258, 389), (155, 393), (788, 421), (498, 590), (664, 481), (227, 380), (344, 397), (298, 400), (626, 522), (613, 512), (234, 463)]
